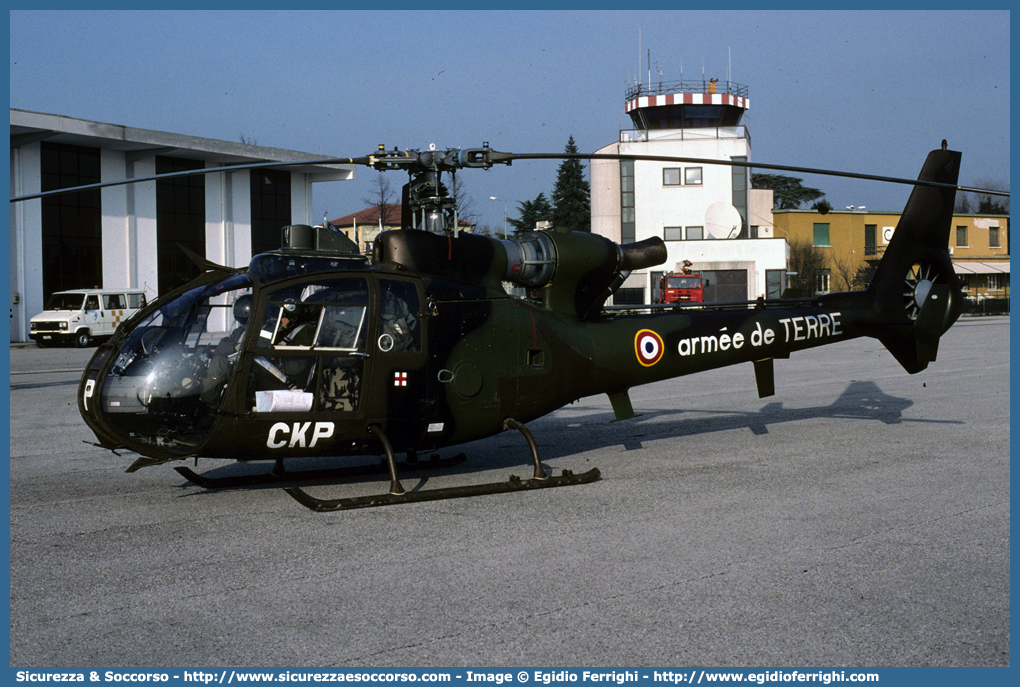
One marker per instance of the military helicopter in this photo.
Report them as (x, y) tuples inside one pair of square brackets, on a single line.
[(315, 350)]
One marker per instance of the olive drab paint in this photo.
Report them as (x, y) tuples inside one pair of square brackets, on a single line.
[(324, 352)]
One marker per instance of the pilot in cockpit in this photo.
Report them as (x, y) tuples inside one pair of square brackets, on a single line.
[(221, 365)]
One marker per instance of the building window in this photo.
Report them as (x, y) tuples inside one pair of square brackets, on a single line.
[(71, 232), (672, 233), (692, 176), (180, 221), (821, 281), (741, 180), (821, 234), (961, 236), (695, 233), (993, 237), (994, 282), (627, 221), (870, 239), (656, 286), (774, 283), (270, 208), (629, 297), (671, 176)]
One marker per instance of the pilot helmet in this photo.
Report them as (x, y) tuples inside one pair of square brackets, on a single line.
[(242, 308)]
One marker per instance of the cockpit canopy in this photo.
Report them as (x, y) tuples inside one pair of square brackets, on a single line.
[(297, 343)]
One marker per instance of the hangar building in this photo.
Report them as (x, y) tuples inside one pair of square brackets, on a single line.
[(129, 236)]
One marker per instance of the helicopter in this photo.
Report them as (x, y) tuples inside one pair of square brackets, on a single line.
[(315, 350)]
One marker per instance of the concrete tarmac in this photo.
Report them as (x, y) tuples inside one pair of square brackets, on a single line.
[(860, 517)]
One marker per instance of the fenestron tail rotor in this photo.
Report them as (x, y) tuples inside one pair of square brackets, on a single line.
[(918, 283)]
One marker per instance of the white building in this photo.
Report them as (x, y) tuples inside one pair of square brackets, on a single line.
[(705, 213), (128, 236)]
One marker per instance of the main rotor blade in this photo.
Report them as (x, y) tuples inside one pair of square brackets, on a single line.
[(194, 172), (487, 157), (756, 165)]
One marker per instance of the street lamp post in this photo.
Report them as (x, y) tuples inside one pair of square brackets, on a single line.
[(504, 214)]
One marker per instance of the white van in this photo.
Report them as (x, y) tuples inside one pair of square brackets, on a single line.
[(81, 315)]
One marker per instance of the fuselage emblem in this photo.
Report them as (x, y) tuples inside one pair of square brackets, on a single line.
[(648, 346)]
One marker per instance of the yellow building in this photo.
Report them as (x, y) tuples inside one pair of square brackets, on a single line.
[(363, 226), (850, 243)]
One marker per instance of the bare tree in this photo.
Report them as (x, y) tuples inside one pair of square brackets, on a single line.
[(466, 210), (806, 261), (849, 271), (381, 198), (486, 230)]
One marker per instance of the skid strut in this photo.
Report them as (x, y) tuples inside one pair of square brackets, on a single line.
[(279, 477), (397, 494)]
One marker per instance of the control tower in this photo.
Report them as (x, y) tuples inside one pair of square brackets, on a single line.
[(687, 105), (688, 205)]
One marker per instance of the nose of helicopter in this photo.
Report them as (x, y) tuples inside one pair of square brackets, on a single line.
[(158, 385)]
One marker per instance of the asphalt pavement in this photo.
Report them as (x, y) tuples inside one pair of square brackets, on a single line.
[(858, 517)]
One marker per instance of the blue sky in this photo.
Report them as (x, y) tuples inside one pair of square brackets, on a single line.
[(857, 91)]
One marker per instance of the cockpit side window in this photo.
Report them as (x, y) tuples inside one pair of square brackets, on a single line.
[(399, 328), (329, 315), (309, 347)]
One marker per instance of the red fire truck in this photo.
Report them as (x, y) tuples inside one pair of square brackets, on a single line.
[(684, 286)]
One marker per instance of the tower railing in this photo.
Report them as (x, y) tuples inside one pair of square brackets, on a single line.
[(699, 86)]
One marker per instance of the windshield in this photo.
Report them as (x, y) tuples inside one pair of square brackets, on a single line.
[(684, 283), (65, 301), (169, 380)]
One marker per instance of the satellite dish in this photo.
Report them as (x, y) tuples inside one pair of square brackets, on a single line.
[(722, 221)]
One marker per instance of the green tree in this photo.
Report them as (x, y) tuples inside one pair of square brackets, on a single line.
[(989, 204), (787, 192), (531, 212), (983, 203), (822, 206), (571, 195)]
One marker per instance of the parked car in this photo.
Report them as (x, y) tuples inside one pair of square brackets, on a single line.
[(81, 315)]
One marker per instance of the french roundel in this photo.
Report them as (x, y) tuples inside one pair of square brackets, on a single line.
[(648, 346)]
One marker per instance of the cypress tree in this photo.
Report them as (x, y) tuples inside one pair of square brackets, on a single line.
[(571, 195)]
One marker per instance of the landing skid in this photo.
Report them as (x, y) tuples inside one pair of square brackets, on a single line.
[(397, 494), (515, 483), (279, 477)]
